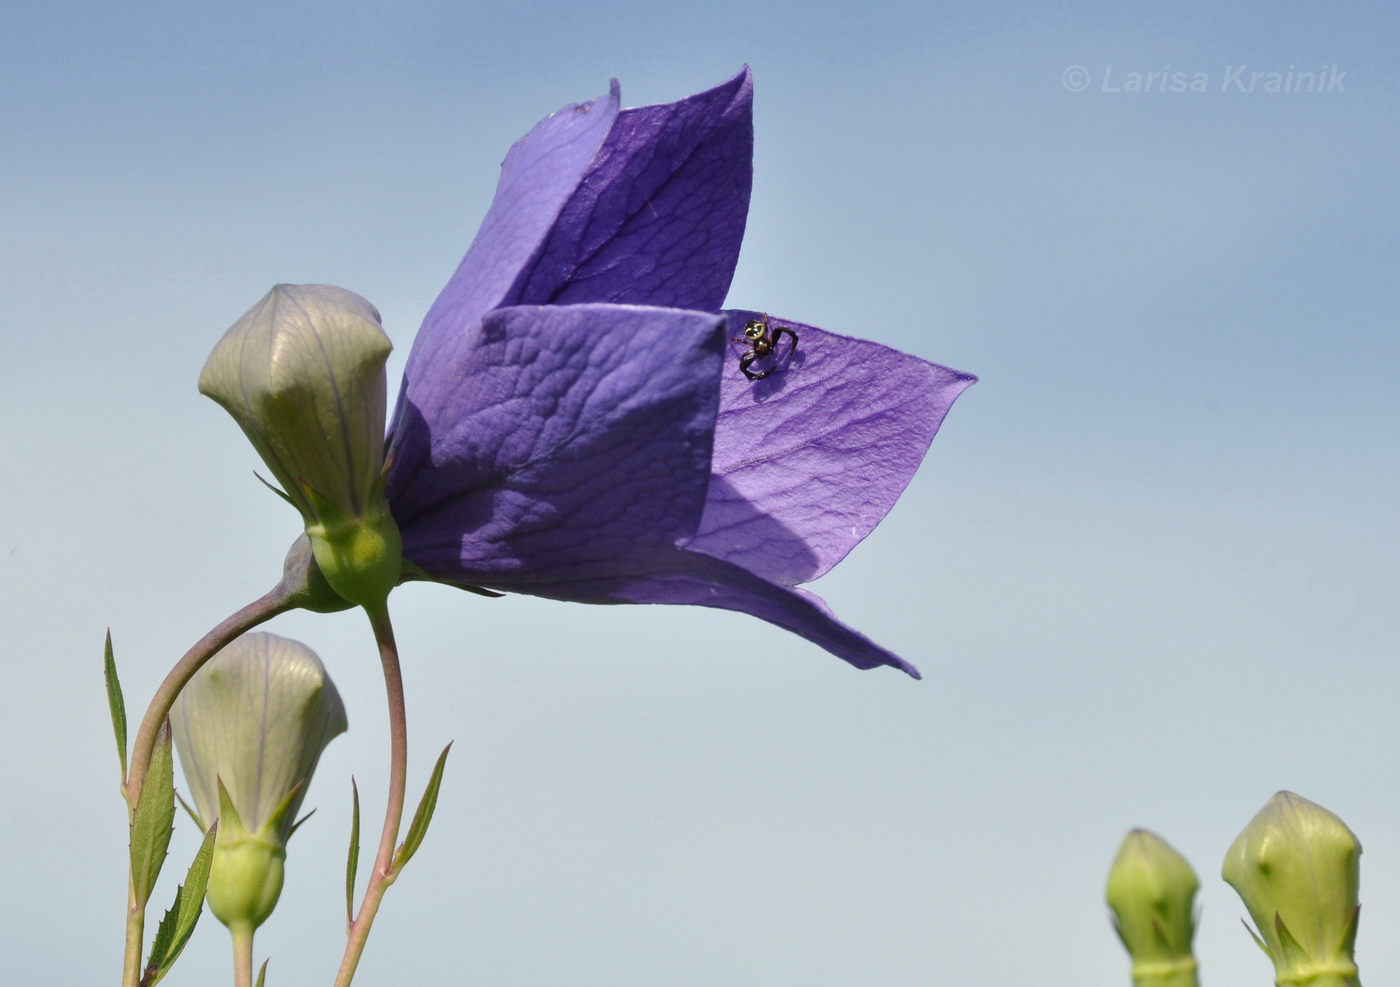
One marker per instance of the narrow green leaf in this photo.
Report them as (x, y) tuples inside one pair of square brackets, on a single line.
[(1348, 947), (178, 924), (115, 702), (419, 827), (352, 861), (1294, 955), (154, 819), (190, 812), (297, 825), (1257, 941), (262, 972)]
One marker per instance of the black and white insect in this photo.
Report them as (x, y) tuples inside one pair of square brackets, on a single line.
[(763, 342)]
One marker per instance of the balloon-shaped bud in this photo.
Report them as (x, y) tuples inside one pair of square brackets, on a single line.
[(1152, 891), (303, 374), (250, 727), (1297, 868)]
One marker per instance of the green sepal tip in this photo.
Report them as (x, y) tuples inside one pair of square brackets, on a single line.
[(262, 973), (419, 827), (352, 859), (190, 812), (297, 825), (154, 819), (178, 924), (115, 702)]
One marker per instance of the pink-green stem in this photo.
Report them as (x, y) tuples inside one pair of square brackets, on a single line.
[(255, 613), (242, 957), (383, 874), (135, 938), (259, 611)]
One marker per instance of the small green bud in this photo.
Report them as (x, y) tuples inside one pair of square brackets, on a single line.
[(1297, 868), (303, 375), (1151, 890), (250, 727)]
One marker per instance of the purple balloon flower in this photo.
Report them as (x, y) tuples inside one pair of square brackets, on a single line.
[(574, 423)]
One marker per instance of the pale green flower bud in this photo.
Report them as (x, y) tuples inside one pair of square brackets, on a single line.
[(1151, 890), (1297, 868), (250, 727), (303, 374)]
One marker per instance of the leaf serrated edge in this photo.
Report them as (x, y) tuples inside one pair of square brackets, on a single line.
[(418, 829), (178, 924), (115, 701), (154, 819)]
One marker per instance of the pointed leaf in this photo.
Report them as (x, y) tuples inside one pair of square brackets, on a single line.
[(275, 489), (419, 827), (262, 973), (154, 819), (352, 860), (115, 702), (178, 924), (1349, 932), (297, 825), (1294, 955), (190, 812), (279, 814), (1257, 941), (228, 812)]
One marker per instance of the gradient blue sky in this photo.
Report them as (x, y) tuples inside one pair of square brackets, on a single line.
[(1149, 568)]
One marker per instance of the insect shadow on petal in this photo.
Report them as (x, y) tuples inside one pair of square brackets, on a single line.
[(762, 340)]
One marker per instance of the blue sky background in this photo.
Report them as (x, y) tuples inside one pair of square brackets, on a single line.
[(1149, 568)]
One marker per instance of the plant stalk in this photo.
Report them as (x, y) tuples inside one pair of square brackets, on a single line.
[(383, 874), (242, 956)]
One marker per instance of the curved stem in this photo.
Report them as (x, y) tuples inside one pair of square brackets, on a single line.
[(242, 957), (260, 610), (255, 613), (383, 874)]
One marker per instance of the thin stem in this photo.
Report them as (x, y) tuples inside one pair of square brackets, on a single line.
[(135, 936), (278, 600), (383, 874), (255, 613), (242, 956)]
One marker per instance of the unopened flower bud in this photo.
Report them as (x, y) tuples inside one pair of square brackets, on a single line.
[(250, 727), (1151, 890), (1297, 868), (303, 374)]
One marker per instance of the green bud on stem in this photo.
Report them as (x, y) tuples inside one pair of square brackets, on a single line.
[(1297, 868), (1152, 890), (302, 372), (250, 727), (245, 879)]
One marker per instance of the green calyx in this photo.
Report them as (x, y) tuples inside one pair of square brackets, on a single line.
[(360, 556), (245, 877)]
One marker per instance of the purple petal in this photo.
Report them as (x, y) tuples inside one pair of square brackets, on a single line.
[(659, 217), (809, 460), (539, 174), (575, 439), (677, 576)]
